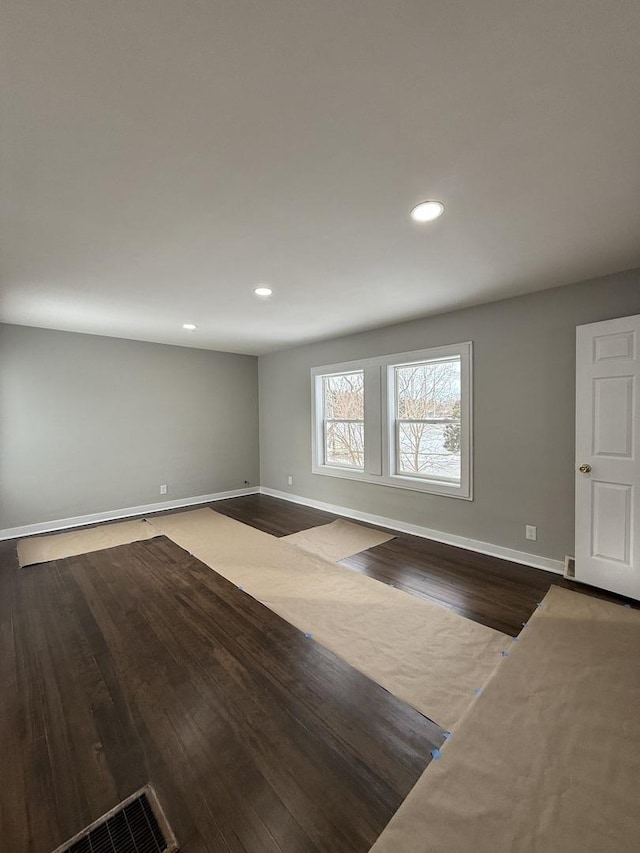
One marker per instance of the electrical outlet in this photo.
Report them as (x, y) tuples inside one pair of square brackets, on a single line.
[(290, 480), (531, 532), (163, 489)]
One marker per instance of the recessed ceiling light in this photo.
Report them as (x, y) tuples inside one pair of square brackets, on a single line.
[(190, 327), (262, 290), (427, 211)]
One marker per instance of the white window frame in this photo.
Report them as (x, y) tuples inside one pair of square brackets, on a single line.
[(322, 435), (379, 422)]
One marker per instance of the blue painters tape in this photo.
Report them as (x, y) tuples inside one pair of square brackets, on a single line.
[(515, 639), (435, 754), (447, 735), (628, 606), (505, 654), (478, 691), (308, 634), (539, 604), (241, 587), (524, 624)]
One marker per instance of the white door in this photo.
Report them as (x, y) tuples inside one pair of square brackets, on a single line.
[(608, 455)]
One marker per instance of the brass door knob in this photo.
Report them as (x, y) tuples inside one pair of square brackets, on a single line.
[(586, 469)]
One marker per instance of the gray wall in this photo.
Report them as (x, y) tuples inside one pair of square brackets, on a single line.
[(524, 368), (90, 424)]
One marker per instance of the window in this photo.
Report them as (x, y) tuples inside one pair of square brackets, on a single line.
[(343, 419), (401, 420), (427, 419)]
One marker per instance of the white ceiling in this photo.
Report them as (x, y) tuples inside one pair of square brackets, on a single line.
[(162, 157)]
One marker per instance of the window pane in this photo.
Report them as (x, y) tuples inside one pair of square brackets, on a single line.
[(428, 390), (344, 443), (344, 396), (343, 406), (429, 450)]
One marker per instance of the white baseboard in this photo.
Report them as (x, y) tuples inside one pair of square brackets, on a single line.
[(112, 515), (522, 557)]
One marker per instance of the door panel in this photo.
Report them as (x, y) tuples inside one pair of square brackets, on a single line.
[(614, 346), (611, 523), (613, 416), (607, 442)]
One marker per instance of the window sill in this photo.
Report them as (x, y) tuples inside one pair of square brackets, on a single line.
[(412, 484)]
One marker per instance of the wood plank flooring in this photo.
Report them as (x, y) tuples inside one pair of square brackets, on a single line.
[(488, 590), (140, 664)]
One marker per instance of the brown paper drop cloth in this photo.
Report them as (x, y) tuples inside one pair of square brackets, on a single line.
[(547, 760), (58, 546), (338, 540), (425, 654)]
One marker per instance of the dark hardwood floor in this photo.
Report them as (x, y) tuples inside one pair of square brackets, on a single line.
[(139, 664), (488, 590)]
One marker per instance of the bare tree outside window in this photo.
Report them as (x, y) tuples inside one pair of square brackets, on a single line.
[(343, 407), (428, 419)]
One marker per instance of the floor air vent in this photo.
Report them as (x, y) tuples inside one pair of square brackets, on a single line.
[(137, 825)]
